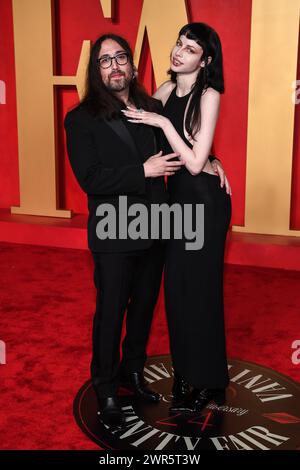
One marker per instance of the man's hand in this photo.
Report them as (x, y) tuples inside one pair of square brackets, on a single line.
[(159, 165)]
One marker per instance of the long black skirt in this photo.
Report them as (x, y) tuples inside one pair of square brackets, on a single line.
[(194, 286)]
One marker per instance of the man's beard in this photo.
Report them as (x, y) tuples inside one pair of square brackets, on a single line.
[(119, 84)]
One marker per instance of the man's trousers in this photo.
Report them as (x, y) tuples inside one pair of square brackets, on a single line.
[(127, 280)]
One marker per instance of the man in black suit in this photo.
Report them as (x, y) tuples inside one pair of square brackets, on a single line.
[(112, 157)]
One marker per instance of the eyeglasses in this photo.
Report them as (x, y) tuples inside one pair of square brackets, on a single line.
[(106, 62)]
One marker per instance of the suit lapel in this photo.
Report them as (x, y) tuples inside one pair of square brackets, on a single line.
[(118, 126)]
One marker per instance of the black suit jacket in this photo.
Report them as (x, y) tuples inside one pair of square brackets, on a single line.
[(107, 164)]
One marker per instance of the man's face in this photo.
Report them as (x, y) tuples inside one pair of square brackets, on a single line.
[(116, 77)]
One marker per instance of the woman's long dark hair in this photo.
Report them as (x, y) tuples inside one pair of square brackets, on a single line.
[(211, 75), (102, 102)]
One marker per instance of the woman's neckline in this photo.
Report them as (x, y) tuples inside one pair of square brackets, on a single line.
[(184, 96)]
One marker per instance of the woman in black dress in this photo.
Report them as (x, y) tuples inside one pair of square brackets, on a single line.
[(194, 278)]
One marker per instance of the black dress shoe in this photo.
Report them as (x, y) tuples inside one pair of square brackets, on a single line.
[(180, 388), (111, 412), (198, 399), (135, 382)]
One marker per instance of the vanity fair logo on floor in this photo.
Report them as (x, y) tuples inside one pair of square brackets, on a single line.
[(262, 412)]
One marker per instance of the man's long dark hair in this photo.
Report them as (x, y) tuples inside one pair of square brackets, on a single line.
[(211, 75), (102, 102)]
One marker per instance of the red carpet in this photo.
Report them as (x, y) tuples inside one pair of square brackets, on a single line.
[(47, 301)]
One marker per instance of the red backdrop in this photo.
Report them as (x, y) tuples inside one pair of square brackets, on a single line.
[(77, 20)]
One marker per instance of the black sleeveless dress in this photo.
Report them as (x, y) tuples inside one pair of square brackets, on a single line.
[(194, 278)]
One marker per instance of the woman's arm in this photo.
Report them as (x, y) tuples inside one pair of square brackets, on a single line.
[(196, 158), (162, 94)]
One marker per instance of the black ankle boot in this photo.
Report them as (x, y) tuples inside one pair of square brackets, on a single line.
[(111, 412), (180, 388), (135, 382), (198, 399)]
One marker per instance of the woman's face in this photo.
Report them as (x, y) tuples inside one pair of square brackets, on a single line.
[(186, 55)]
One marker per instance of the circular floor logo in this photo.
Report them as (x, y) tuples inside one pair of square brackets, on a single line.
[(262, 412)]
